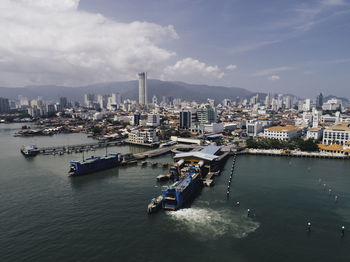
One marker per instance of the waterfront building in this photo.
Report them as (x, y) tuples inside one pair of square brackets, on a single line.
[(4, 105), (144, 136), (281, 132), (143, 88), (339, 133)]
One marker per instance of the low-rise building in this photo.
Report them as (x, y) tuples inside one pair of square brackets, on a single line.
[(339, 133), (314, 133), (281, 132)]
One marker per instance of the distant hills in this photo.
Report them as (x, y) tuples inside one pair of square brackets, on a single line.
[(129, 89)]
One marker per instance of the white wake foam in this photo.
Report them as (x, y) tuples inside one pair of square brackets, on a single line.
[(213, 224)]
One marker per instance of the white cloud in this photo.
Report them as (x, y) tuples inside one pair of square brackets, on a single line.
[(189, 68), (275, 70), (52, 42), (274, 77), (231, 67)]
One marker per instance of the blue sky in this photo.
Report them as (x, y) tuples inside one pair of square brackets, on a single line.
[(299, 47)]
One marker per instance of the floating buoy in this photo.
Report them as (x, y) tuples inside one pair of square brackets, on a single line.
[(342, 231), (329, 191), (336, 199), (237, 204), (324, 186), (319, 181), (248, 212), (309, 226)]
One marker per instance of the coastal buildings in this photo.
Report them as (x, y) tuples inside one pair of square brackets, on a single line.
[(142, 88), (339, 134), (143, 137), (281, 132)]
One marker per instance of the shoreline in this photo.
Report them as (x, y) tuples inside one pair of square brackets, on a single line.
[(278, 152)]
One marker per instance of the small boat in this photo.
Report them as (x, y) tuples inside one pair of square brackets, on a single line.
[(165, 165), (154, 164), (155, 204), (144, 163)]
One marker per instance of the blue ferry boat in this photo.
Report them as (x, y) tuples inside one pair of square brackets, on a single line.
[(183, 190), (93, 164)]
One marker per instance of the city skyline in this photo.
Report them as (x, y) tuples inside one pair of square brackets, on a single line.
[(299, 47)]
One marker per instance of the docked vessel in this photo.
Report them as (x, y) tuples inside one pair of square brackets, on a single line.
[(30, 150), (182, 191), (93, 164), (190, 172)]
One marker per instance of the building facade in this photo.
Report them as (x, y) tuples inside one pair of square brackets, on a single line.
[(339, 134), (143, 88), (281, 132), (4, 105)]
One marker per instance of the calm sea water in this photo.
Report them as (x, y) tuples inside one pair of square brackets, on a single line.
[(47, 216)]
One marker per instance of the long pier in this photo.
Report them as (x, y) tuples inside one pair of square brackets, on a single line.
[(78, 147)]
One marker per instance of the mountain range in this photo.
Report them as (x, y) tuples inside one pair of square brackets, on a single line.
[(129, 89)]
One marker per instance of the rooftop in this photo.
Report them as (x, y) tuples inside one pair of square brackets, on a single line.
[(282, 128), (342, 126)]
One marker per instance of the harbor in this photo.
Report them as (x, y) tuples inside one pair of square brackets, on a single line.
[(59, 211)]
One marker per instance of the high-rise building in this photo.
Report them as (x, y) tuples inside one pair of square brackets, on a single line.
[(143, 88), (89, 100), (319, 101), (119, 98), (4, 105), (63, 102), (185, 119), (154, 100), (206, 114)]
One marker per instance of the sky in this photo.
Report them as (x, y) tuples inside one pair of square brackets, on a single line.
[(289, 46)]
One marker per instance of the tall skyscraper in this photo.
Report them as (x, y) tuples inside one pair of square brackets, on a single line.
[(185, 119), (143, 88), (4, 105), (319, 101), (63, 102)]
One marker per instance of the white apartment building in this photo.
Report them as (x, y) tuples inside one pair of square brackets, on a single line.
[(214, 128), (146, 136), (339, 133), (281, 132), (314, 133)]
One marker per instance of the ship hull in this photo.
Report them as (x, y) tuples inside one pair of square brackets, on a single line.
[(92, 165)]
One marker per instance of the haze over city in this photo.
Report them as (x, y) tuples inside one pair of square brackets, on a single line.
[(298, 47)]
